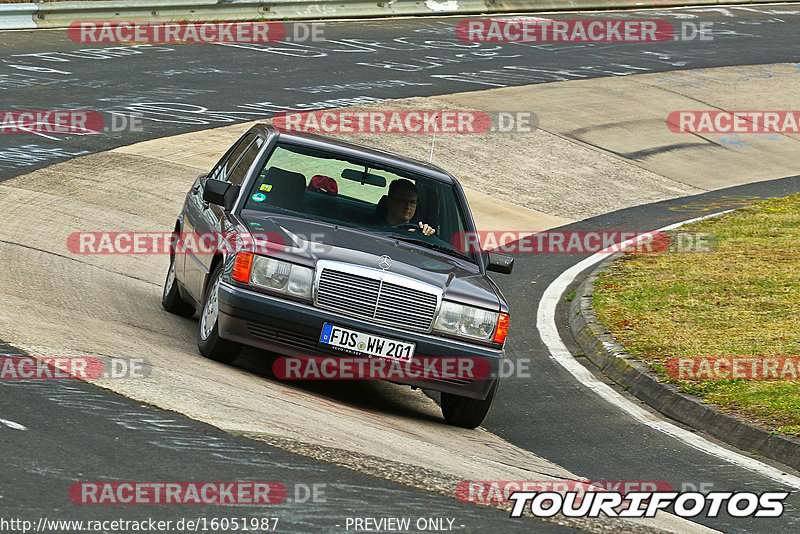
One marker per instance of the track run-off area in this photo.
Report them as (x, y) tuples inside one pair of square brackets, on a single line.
[(601, 158)]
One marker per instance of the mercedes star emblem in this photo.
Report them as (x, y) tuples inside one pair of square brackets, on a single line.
[(385, 262)]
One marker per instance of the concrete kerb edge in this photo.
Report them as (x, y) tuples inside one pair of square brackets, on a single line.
[(62, 14), (635, 376)]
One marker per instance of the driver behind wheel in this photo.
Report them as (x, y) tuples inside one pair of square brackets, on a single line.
[(402, 204)]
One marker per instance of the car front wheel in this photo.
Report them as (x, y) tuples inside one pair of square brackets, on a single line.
[(210, 344), (466, 412)]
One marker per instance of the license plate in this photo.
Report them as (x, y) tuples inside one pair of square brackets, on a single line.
[(364, 344)]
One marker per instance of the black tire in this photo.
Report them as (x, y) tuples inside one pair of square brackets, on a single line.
[(466, 412), (210, 344), (171, 299)]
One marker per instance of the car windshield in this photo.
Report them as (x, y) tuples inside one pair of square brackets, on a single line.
[(332, 188)]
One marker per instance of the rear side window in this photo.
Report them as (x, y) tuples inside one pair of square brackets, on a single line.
[(224, 167), (238, 173)]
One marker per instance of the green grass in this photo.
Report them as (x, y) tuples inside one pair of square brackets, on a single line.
[(741, 300)]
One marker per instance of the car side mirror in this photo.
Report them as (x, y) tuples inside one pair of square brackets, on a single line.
[(500, 263), (221, 193)]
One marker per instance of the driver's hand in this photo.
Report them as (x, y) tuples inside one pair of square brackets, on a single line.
[(426, 229)]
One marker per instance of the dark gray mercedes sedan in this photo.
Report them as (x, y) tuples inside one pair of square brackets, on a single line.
[(344, 261)]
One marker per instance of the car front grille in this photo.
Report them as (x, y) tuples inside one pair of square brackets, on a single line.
[(370, 295)]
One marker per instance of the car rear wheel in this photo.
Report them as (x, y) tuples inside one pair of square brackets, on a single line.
[(210, 344), (171, 299), (466, 412)]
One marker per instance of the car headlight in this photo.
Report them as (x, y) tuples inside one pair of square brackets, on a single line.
[(473, 323), (272, 274)]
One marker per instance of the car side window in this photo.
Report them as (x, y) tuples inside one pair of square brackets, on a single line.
[(224, 167), (238, 173)]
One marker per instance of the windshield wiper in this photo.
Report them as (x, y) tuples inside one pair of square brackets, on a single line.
[(433, 246)]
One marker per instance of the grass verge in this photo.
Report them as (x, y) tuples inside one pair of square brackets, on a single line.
[(740, 301)]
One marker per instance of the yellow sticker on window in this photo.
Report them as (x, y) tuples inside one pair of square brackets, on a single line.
[(266, 187)]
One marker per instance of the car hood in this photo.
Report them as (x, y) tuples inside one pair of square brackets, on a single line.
[(307, 242)]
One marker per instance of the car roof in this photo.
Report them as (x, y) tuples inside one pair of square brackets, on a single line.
[(346, 148)]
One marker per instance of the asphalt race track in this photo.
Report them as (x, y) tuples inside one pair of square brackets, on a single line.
[(185, 88), (78, 432)]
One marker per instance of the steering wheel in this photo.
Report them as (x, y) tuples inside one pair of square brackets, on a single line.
[(409, 227)]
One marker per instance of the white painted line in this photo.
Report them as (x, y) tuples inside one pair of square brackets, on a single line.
[(12, 424), (520, 19), (546, 324)]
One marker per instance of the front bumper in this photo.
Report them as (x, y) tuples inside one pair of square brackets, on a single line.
[(293, 329)]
